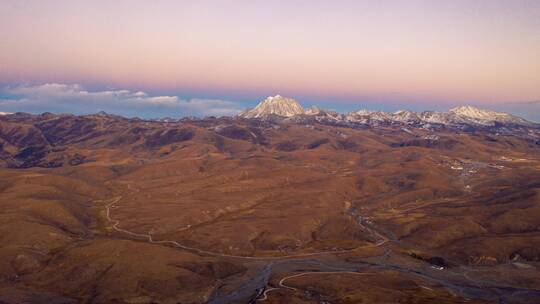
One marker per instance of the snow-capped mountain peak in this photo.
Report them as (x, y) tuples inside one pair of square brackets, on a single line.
[(485, 117), (405, 115), (363, 112), (476, 113), (274, 105)]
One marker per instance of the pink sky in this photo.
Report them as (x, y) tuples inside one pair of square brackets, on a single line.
[(423, 51)]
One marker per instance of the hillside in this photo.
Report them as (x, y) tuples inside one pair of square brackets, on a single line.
[(229, 210)]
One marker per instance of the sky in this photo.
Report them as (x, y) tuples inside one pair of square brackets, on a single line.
[(177, 58)]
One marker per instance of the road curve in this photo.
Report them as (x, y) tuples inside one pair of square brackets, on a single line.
[(283, 286)]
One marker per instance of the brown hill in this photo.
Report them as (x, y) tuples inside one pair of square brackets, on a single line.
[(104, 209)]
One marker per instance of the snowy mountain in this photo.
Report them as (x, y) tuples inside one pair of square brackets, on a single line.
[(5, 113), (486, 117), (405, 116), (288, 109), (274, 105)]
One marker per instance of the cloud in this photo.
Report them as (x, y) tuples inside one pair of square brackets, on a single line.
[(73, 98)]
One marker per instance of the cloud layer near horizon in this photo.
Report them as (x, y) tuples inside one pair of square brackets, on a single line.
[(73, 98)]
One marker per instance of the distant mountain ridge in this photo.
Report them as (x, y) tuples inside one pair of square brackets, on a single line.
[(278, 107), (42, 140)]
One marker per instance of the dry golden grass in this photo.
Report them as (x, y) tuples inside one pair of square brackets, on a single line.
[(260, 191)]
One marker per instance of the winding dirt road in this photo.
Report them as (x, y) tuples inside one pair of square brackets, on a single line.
[(116, 223), (487, 291)]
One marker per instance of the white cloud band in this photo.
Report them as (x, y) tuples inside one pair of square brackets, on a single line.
[(72, 98)]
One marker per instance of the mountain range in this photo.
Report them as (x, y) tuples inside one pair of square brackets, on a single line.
[(282, 108)]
